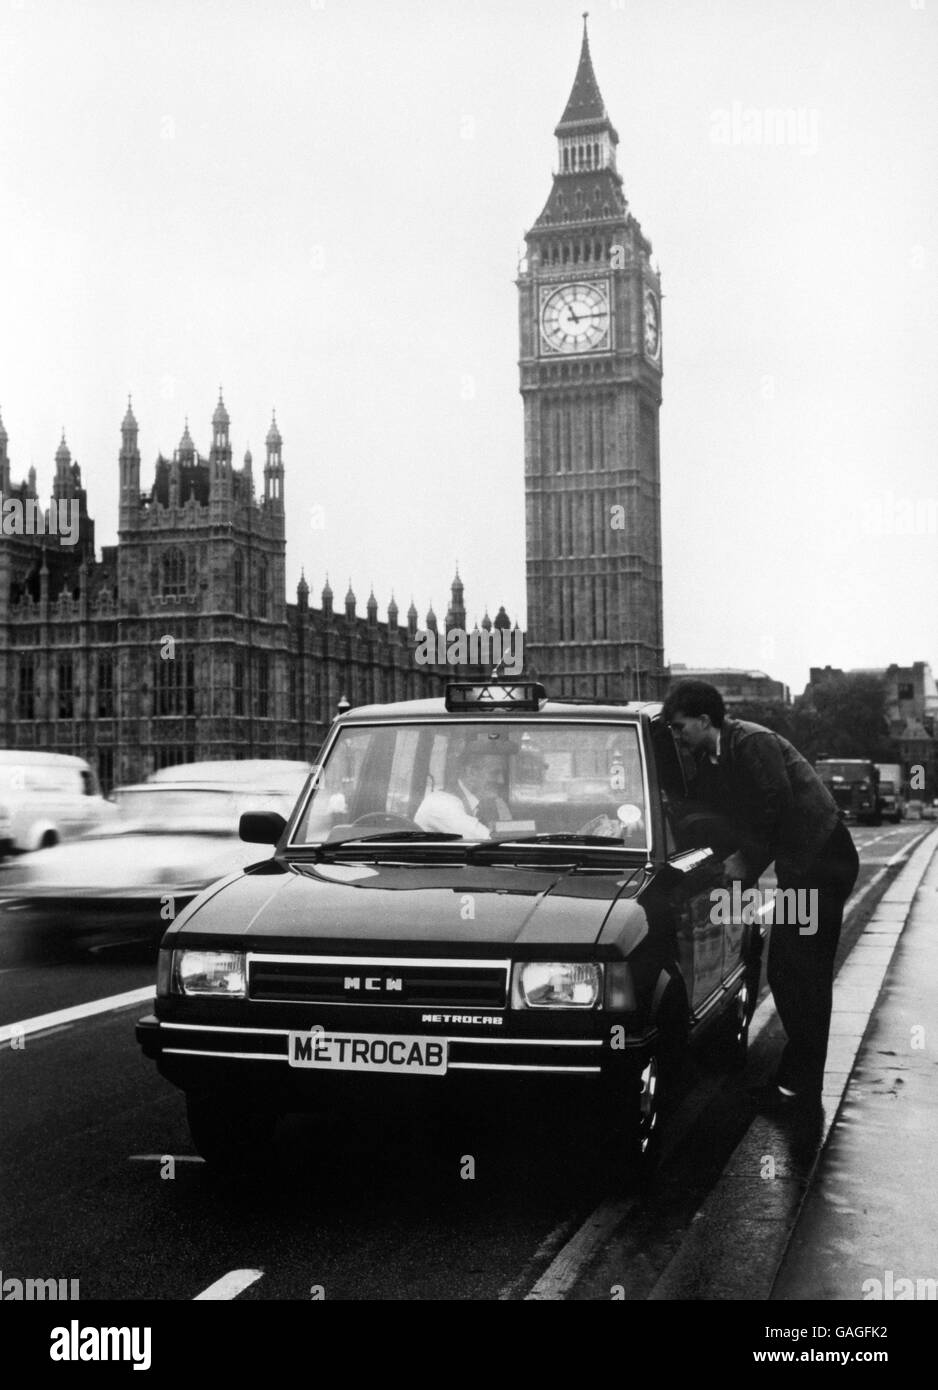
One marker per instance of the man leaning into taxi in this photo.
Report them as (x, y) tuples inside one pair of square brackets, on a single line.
[(780, 810)]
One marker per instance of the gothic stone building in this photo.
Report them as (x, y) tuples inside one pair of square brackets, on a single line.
[(178, 645), (590, 364)]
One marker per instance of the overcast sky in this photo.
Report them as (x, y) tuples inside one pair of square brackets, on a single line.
[(321, 206)]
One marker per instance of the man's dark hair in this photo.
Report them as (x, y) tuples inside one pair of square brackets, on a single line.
[(695, 698)]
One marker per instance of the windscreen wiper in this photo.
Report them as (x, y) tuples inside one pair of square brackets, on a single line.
[(568, 837), (391, 836)]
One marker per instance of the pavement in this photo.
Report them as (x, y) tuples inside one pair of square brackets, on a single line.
[(868, 1228)]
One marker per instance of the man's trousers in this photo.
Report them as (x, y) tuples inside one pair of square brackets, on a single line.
[(801, 961)]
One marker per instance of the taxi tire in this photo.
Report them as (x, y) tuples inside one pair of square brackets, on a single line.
[(631, 1138), (232, 1137)]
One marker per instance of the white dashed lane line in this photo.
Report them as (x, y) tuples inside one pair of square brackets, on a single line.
[(230, 1285), (42, 1022), (161, 1158)]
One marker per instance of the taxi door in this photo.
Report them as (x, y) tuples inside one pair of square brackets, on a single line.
[(700, 938), (692, 876)]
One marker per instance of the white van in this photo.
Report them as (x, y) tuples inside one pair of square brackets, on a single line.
[(49, 797)]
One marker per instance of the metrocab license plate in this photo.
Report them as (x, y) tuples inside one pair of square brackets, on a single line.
[(396, 1052)]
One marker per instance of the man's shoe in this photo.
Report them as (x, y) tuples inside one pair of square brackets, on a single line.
[(770, 1099)]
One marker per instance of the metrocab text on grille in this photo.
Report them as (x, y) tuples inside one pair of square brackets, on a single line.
[(490, 893)]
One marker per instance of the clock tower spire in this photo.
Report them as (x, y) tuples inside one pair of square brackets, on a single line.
[(590, 364)]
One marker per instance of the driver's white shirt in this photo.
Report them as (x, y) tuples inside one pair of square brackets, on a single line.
[(445, 812)]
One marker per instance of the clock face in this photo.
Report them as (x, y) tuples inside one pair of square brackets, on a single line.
[(575, 318), (652, 334)]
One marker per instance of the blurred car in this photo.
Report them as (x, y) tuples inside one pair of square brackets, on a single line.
[(6, 831), (166, 843), (930, 810), (285, 773), (914, 809), (49, 797)]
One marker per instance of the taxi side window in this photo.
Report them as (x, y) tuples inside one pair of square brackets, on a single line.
[(672, 783)]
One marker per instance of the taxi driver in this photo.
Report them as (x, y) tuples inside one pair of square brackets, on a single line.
[(472, 806)]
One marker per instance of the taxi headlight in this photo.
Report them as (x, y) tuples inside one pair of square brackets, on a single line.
[(210, 972), (556, 985)]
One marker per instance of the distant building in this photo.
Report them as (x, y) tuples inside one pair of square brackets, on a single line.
[(736, 686), (911, 709), (178, 644)]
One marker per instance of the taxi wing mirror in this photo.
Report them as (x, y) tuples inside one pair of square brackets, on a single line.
[(261, 827)]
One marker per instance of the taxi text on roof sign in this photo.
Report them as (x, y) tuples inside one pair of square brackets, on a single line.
[(525, 695)]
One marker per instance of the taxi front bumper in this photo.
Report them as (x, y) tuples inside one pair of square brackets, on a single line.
[(194, 1055)]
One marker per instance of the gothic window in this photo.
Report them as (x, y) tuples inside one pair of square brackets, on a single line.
[(292, 692), (566, 161), (174, 685), (174, 573), (105, 687), (239, 583), (66, 688), (263, 685), (26, 693), (263, 584), (106, 769), (238, 686)]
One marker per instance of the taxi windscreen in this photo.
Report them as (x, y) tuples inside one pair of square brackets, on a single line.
[(480, 781)]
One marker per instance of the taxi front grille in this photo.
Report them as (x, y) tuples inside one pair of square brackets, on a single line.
[(415, 983)]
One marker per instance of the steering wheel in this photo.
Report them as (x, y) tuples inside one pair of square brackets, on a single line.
[(385, 820)]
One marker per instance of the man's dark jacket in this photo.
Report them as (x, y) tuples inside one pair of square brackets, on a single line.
[(780, 808)]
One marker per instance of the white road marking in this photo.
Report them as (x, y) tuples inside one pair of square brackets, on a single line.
[(562, 1273), (230, 1285), (159, 1158), (76, 1013)]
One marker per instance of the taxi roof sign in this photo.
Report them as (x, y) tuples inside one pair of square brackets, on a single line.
[(483, 695)]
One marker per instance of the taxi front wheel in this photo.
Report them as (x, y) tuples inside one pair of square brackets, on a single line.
[(231, 1136), (632, 1128)]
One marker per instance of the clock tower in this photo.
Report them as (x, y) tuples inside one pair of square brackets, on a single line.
[(590, 327)]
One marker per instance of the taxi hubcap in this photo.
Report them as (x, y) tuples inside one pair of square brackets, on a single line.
[(648, 1102)]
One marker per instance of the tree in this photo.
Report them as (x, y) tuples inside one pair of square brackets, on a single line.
[(772, 714), (844, 717)]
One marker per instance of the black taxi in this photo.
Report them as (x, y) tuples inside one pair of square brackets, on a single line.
[(491, 887)]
